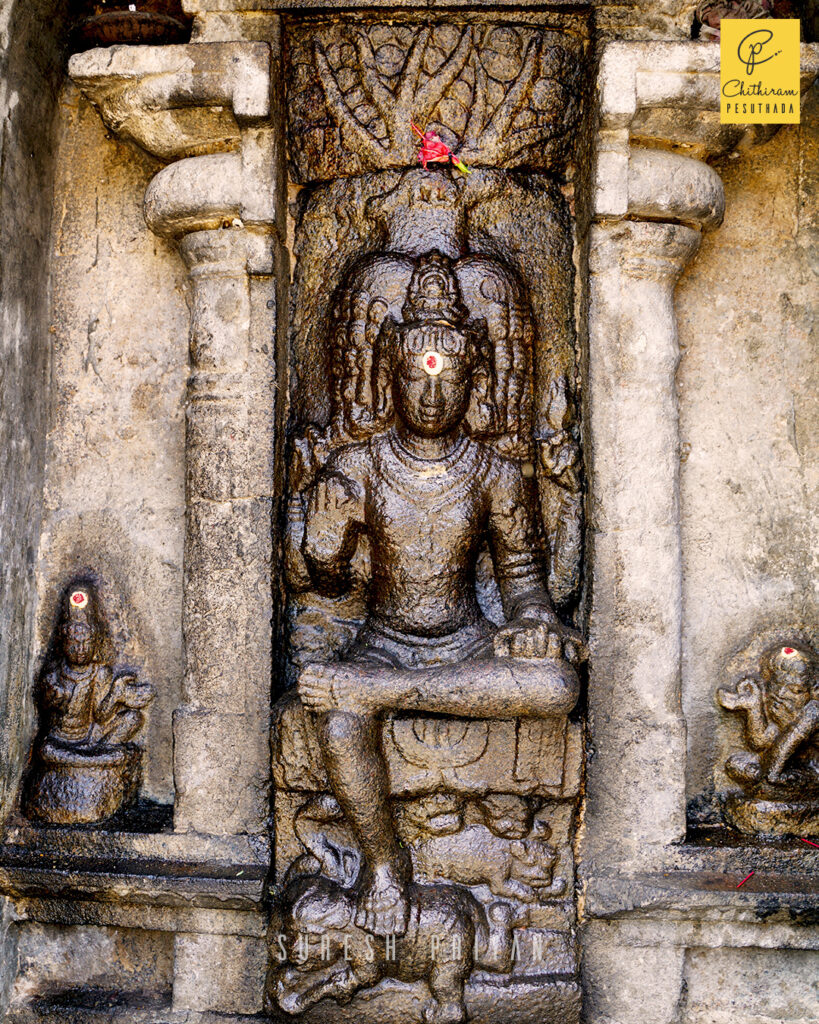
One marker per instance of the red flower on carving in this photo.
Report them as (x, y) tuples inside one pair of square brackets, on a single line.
[(434, 151)]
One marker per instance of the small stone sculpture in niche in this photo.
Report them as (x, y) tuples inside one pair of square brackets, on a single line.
[(448, 935), (84, 767), (779, 772), (413, 461)]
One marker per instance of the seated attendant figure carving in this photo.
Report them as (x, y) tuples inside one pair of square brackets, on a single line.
[(428, 495), (781, 710), (84, 767)]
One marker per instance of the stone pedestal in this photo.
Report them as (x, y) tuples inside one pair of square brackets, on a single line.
[(70, 787)]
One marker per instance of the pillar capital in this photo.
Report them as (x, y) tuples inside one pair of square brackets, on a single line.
[(647, 250), (232, 251), (177, 101)]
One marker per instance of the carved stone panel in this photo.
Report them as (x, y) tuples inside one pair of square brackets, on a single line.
[(503, 94), (776, 771), (427, 755)]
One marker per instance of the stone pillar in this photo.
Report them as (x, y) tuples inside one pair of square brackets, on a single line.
[(187, 105), (221, 752), (651, 208), (636, 614)]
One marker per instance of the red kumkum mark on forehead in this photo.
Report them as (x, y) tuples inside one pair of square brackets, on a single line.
[(79, 598), (788, 650), (433, 363)]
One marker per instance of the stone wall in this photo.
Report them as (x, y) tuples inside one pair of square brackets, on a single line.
[(93, 368), (30, 71), (115, 485), (749, 411)]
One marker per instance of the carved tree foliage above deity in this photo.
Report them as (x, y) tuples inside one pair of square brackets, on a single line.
[(503, 96)]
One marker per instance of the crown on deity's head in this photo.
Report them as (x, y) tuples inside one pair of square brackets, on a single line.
[(433, 294), (81, 616)]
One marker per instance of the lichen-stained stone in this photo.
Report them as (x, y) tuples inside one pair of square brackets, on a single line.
[(29, 87), (223, 973), (220, 772), (501, 94)]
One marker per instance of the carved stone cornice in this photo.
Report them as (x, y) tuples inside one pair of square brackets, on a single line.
[(177, 101)]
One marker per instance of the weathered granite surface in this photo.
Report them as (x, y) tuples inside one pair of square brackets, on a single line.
[(29, 80), (748, 415), (114, 487), (674, 942)]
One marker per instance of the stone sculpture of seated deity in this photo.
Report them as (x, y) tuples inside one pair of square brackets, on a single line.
[(778, 771), (428, 495), (84, 766)]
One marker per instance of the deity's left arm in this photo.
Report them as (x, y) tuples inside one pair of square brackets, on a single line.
[(514, 543)]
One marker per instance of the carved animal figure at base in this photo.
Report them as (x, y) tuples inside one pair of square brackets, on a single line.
[(448, 935), (515, 869)]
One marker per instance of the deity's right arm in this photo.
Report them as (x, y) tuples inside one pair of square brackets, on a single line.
[(334, 518), (55, 693), (747, 698)]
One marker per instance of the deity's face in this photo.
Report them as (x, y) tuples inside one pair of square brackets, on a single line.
[(789, 673), (78, 643), (432, 380)]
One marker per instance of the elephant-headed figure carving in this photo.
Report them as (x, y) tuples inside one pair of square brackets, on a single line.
[(320, 953), (779, 770)]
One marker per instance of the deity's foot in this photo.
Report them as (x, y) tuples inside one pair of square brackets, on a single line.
[(339, 687), (383, 906)]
